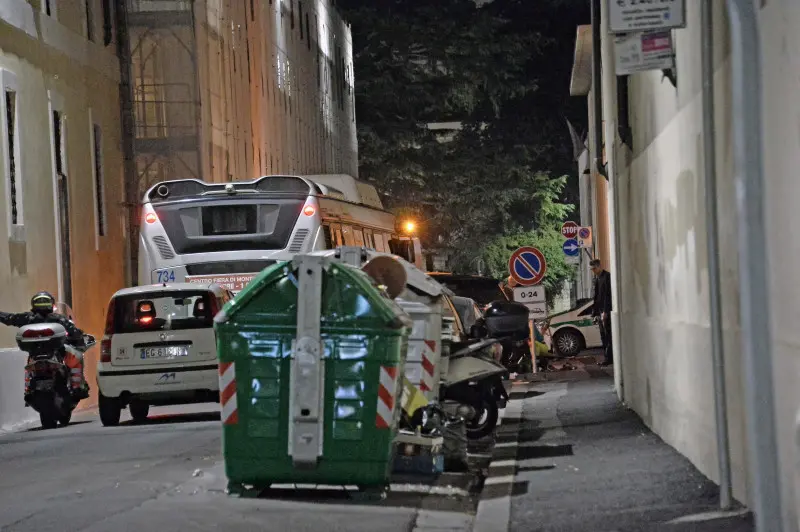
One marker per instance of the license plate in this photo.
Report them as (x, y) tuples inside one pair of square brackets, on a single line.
[(164, 352)]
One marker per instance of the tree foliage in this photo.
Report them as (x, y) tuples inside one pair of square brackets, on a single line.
[(501, 70), (546, 237)]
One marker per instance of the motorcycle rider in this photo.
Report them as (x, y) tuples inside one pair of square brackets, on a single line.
[(43, 311)]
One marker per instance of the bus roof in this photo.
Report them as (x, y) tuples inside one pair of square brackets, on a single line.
[(353, 190), (339, 186)]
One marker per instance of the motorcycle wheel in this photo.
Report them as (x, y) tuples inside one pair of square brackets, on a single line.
[(48, 420), (65, 418)]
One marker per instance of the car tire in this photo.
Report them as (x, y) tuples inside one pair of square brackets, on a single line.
[(139, 411), (569, 342), (110, 410)]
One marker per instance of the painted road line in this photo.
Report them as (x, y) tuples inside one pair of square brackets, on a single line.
[(502, 463)]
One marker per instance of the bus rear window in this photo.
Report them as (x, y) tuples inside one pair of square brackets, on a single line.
[(163, 311), (230, 220)]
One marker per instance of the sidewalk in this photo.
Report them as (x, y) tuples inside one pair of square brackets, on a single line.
[(571, 458)]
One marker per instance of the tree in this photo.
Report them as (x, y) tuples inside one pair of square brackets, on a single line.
[(502, 71), (546, 237)]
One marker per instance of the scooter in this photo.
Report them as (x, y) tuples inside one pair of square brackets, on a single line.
[(49, 377), (472, 385)]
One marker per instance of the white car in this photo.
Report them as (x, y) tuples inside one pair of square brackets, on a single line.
[(573, 330), (159, 349)]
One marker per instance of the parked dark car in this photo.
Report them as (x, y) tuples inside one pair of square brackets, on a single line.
[(483, 290)]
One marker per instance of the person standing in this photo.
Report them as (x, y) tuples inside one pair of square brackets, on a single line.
[(601, 310)]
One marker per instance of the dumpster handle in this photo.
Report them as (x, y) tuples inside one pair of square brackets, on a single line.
[(307, 390)]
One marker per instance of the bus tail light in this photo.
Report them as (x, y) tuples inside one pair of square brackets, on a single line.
[(309, 210), (151, 218)]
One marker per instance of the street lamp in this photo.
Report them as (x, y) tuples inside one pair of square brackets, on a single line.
[(410, 227)]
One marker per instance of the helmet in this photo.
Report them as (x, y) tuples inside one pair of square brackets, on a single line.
[(43, 302)]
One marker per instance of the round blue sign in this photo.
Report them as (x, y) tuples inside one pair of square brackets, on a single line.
[(571, 248), (527, 266)]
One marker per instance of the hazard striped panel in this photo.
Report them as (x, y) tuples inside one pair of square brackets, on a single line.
[(227, 393), (387, 389), (427, 383)]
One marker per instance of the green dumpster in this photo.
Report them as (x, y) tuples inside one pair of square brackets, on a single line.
[(311, 356)]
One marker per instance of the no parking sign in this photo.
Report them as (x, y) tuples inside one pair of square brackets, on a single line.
[(527, 266)]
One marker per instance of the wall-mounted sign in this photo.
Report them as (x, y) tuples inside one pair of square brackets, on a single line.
[(638, 52), (626, 16)]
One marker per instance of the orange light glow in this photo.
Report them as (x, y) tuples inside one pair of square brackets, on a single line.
[(151, 218), (309, 210)]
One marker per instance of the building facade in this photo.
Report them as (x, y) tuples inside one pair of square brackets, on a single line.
[(102, 98), (224, 90), (61, 167), (663, 346)]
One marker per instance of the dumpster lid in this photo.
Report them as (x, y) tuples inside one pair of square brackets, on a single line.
[(388, 309), (417, 279)]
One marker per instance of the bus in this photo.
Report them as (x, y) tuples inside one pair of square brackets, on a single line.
[(226, 233)]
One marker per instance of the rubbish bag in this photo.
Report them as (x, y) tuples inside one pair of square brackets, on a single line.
[(455, 445)]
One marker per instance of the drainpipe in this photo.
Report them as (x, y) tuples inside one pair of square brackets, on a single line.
[(753, 285), (712, 228), (597, 93), (610, 112)]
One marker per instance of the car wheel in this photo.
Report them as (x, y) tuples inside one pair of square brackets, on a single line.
[(110, 410), (139, 411), (569, 342)]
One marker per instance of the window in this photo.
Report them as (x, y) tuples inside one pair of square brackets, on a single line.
[(378, 238), (300, 18), (368, 241), (48, 8), (326, 230), (308, 32), (291, 13), (89, 19), (347, 236), (359, 236), (99, 189), (12, 158), (108, 24), (163, 311)]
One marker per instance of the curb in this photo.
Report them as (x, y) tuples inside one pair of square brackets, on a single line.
[(494, 507)]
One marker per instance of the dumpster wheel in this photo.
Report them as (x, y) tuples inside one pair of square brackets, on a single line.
[(371, 493), (237, 489)]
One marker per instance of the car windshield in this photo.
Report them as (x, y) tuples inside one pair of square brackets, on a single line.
[(162, 311)]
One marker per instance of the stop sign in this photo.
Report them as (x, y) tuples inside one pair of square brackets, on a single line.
[(569, 230)]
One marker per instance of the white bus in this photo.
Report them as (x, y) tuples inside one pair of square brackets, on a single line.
[(226, 233)]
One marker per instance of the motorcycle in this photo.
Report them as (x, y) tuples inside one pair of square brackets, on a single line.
[(49, 377)]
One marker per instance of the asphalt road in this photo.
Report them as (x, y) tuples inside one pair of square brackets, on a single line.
[(167, 475)]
